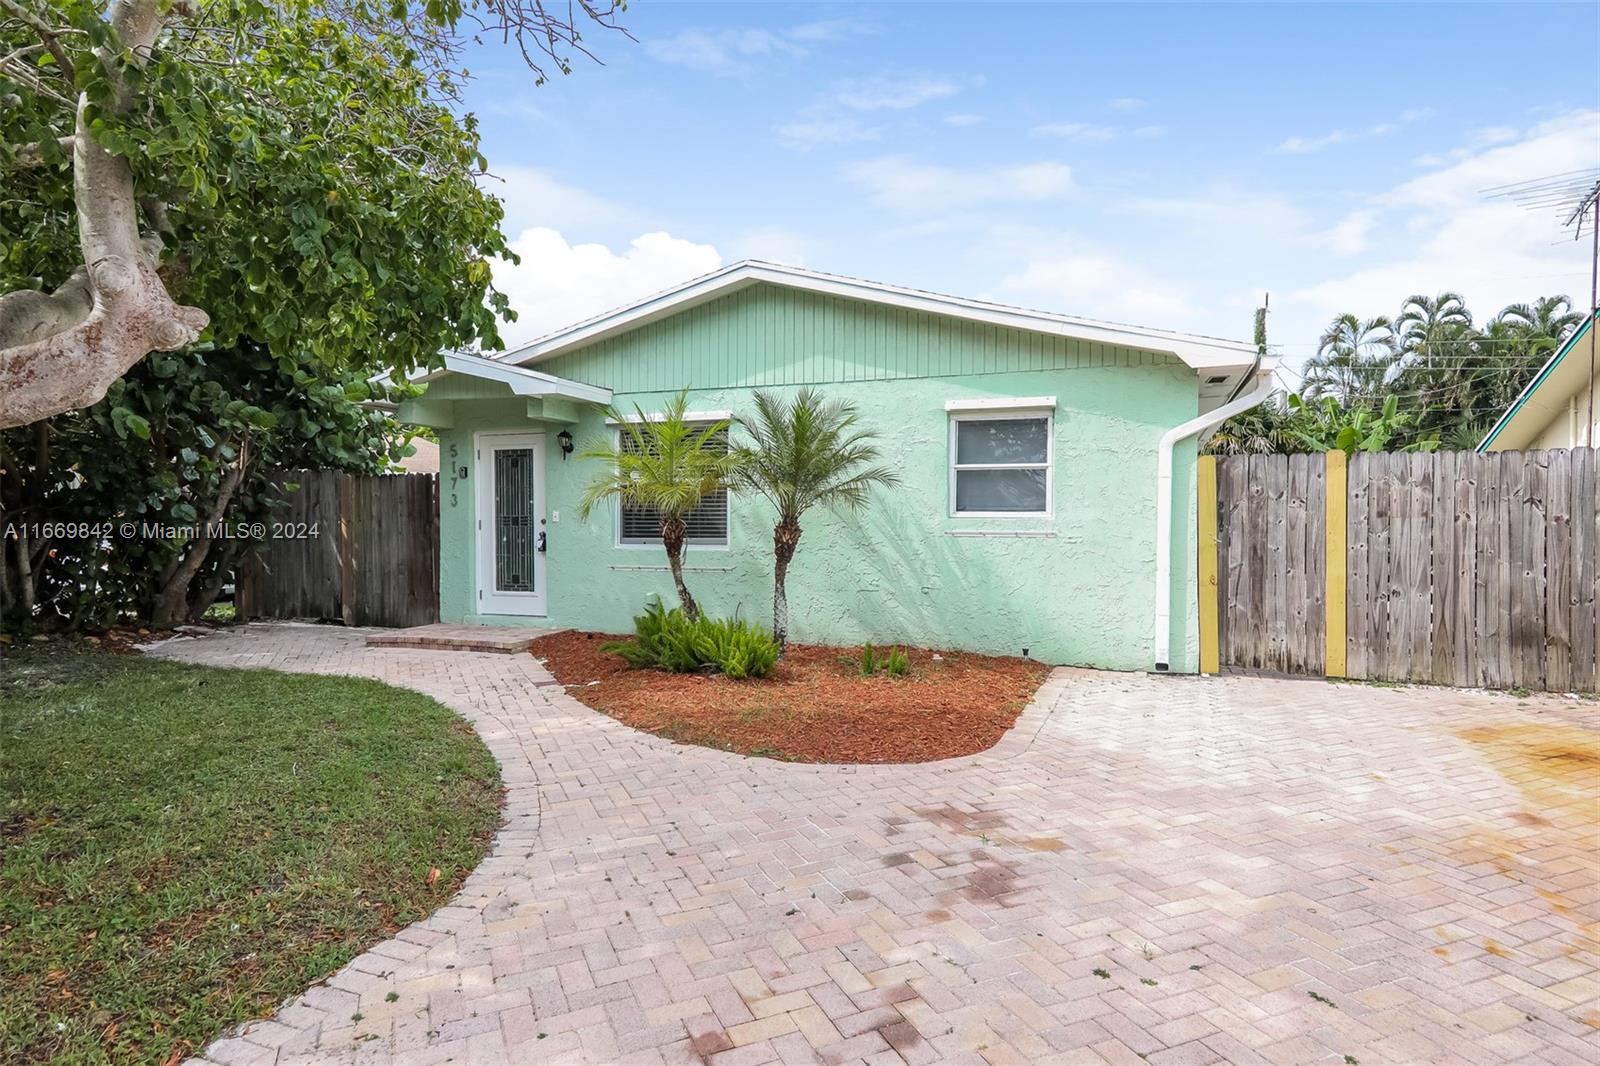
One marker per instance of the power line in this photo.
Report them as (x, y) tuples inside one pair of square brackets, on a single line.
[(1575, 196)]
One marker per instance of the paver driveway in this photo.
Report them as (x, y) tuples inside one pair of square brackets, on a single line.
[(1161, 869)]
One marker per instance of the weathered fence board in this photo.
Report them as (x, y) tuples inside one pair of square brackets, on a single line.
[(1461, 569), (1271, 616), (374, 560)]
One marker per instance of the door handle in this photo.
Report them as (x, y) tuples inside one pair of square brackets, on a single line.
[(541, 540)]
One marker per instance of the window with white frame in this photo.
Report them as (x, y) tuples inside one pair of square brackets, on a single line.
[(707, 523), (1000, 463)]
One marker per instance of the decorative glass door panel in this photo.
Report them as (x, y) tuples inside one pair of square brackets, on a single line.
[(511, 523)]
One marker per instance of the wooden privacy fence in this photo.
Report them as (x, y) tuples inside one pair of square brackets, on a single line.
[(361, 549), (1452, 568)]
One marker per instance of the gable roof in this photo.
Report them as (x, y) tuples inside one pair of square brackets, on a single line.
[(1543, 398), (1200, 353)]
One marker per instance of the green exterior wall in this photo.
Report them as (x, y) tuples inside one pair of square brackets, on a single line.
[(1079, 590)]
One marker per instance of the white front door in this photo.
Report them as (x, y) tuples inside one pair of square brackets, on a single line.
[(511, 526)]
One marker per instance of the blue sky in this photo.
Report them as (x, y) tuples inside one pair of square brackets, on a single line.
[(1157, 164)]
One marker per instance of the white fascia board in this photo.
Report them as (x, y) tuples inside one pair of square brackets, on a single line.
[(520, 380), (1002, 403), (1201, 353)]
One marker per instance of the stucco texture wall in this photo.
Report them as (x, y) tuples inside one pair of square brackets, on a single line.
[(1079, 590)]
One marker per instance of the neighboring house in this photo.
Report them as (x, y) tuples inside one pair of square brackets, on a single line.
[(424, 457), (1027, 444), (1554, 411)]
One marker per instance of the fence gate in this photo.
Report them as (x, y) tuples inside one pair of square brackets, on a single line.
[(358, 548), (1452, 568)]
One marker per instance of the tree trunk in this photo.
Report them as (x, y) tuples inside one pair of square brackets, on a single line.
[(63, 350), (673, 533), (24, 573), (212, 588), (172, 601), (785, 539)]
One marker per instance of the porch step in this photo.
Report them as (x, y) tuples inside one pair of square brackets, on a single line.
[(507, 640)]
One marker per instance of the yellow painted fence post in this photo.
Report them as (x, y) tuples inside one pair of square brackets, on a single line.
[(1335, 538), (1206, 504)]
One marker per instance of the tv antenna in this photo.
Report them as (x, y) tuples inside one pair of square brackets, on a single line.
[(1574, 198)]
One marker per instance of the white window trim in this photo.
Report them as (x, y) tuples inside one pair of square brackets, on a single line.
[(1017, 404), (1015, 409), (688, 546)]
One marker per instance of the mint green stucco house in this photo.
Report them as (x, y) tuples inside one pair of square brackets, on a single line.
[(1034, 511)]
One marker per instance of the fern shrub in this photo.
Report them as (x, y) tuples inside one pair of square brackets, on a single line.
[(668, 640)]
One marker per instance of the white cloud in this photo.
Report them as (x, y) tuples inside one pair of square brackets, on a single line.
[(724, 51), (1446, 234), (963, 119), (1090, 131), (534, 197), (1305, 145), (1097, 283), (732, 50), (1076, 131), (558, 284), (809, 133), (1125, 103), (891, 94), (904, 184), (772, 244), (826, 31), (1487, 137), (1351, 234), (834, 116)]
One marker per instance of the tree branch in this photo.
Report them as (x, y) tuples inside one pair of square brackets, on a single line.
[(32, 155), (47, 36), (61, 351)]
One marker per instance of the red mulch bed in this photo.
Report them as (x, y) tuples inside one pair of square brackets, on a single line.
[(816, 707)]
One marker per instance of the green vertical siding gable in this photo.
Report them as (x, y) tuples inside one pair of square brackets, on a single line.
[(768, 335)]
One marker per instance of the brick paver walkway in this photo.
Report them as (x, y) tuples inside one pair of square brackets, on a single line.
[(1146, 869)]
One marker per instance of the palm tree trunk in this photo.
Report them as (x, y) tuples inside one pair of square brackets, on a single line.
[(785, 539), (673, 533)]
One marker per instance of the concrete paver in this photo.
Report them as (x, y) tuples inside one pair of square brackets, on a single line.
[(1163, 870)]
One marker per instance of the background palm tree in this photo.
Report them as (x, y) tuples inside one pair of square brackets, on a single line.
[(665, 463), (1353, 360), (806, 451), (1450, 379), (1426, 326)]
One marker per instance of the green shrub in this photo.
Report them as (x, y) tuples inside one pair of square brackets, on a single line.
[(895, 662), (667, 640)]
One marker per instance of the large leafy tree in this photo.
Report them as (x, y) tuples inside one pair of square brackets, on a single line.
[(805, 452), (298, 170), (143, 505), (665, 463), (179, 168)]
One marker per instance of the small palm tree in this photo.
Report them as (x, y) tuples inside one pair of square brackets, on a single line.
[(806, 451), (665, 463)]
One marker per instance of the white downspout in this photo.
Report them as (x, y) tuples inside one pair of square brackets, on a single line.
[(1169, 441)]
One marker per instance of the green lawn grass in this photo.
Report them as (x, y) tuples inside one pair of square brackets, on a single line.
[(186, 846)]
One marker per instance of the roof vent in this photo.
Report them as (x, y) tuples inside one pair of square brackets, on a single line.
[(1216, 379)]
